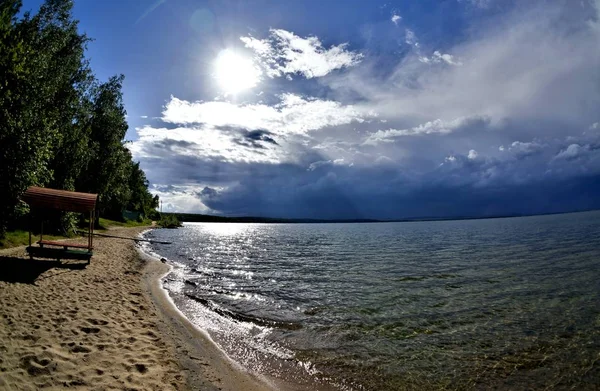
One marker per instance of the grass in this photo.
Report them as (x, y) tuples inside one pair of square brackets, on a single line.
[(106, 223), (21, 238)]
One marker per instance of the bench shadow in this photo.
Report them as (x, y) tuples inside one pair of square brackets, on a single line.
[(27, 271)]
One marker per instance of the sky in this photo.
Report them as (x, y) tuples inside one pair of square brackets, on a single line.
[(357, 109)]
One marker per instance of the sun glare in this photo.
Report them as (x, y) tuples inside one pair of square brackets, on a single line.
[(235, 73)]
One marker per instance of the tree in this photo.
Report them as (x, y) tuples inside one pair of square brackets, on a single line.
[(141, 200), (107, 170), (25, 136), (59, 127)]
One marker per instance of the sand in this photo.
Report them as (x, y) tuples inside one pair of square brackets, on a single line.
[(103, 326)]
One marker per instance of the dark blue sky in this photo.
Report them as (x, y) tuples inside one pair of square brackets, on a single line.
[(358, 109)]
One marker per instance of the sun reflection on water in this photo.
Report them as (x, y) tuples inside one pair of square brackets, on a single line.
[(228, 229)]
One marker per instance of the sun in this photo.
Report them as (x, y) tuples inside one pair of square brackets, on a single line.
[(235, 73)]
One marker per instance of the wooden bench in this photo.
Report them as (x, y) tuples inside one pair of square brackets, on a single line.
[(66, 246), (59, 253)]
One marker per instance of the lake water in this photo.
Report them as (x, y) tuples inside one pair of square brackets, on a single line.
[(508, 303)]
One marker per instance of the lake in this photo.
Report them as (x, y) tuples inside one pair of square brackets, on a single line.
[(510, 303)]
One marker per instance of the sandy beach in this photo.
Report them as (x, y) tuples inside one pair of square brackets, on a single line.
[(103, 326)]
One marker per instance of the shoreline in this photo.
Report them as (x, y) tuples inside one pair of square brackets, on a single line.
[(86, 327), (206, 364), (106, 325), (102, 326), (207, 367)]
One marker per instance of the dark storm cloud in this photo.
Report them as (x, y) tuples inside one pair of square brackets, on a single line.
[(504, 121), (255, 138)]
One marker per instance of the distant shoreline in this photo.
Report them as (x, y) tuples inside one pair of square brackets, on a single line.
[(202, 218)]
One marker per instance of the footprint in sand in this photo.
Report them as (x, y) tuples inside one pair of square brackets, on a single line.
[(35, 366), (150, 334), (98, 322), (90, 330), (141, 368), (80, 349)]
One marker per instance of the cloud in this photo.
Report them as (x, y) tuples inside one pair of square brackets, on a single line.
[(477, 3), (149, 10), (255, 139), (411, 38), (208, 192), (337, 162), (527, 66), (523, 149), (286, 54), (571, 152), (401, 132), (180, 199), (438, 57), (292, 115), (396, 18), (432, 127), (206, 142)]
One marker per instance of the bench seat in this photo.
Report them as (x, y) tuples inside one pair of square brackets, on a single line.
[(61, 244), (59, 253)]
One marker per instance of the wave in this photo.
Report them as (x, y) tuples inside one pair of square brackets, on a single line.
[(240, 317)]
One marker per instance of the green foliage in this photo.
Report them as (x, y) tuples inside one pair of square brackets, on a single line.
[(107, 223), (154, 214), (59, 126), (168, 221)]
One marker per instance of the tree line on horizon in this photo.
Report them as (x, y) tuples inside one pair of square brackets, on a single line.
[(60, 127)]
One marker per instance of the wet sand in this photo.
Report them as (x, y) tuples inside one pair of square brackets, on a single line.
[(107, 325)]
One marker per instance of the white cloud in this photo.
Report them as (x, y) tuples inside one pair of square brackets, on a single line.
[(336, 162), (285, 53), (293, 115), (180, 198), (205, 142), (472, 154), (396, 18), (525, 66), (477, 3), (314, 165), (438, 57), (571, 152), (521, 149), (432, 127), (411, 38), (143, 116)]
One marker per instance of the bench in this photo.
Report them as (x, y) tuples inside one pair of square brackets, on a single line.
[(59, 253), (62, 244)]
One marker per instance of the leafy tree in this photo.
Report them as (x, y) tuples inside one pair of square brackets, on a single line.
[(141, 199), (25, 135), (59, 127), (107, 170)]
